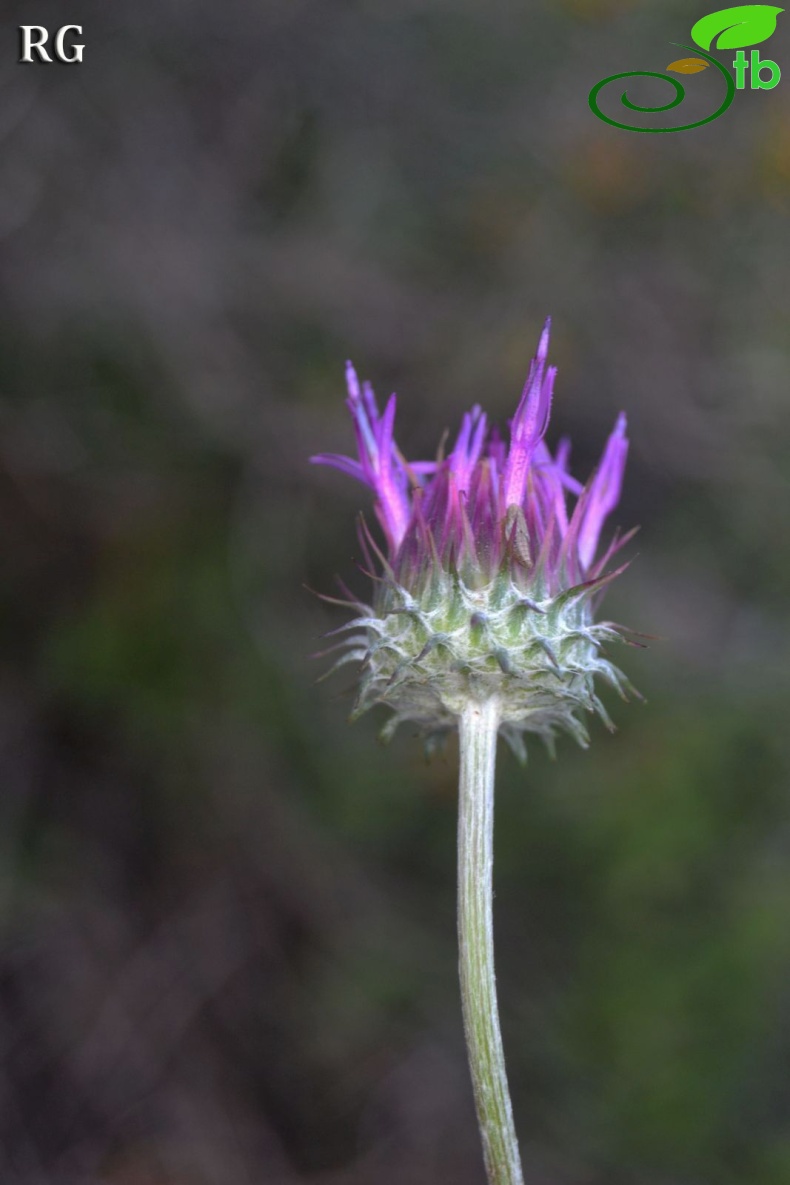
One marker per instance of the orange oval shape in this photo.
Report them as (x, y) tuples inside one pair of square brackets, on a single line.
[(688, 65)]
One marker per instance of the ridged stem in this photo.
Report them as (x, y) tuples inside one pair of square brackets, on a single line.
[(477, 730)]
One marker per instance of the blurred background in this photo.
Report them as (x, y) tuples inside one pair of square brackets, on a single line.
[(228, 949)]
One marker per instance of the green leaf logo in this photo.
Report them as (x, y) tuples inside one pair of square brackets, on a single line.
[(748, 24)]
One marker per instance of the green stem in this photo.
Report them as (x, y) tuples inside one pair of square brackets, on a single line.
[(478, 725)]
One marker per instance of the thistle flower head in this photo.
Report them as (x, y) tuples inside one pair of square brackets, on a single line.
[(492, 568)]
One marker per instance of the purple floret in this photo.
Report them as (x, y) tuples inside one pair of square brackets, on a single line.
[(485, 502)]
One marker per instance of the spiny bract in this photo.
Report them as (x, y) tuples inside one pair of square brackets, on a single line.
[(488, 586)]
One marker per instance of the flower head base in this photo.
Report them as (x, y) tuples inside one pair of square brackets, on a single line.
[(489, 582)]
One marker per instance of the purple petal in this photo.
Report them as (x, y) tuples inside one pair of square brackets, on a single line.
[(384, 437), (370, 405), (352, 382), (465, 455), (360, 413), (552, 480), (478, 440), (390, 484), (561, 463), (496, 450), (459, 453), (604, 491), (344, 464), (529, 423), (380, 464)]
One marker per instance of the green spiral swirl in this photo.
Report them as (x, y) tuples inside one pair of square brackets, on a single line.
[(680, 95)]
